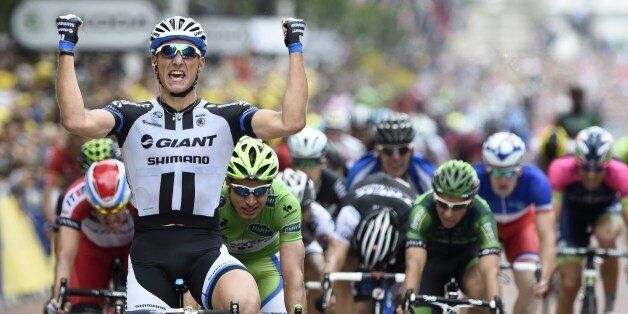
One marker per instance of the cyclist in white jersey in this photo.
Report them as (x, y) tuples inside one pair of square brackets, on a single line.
[(176, 148)]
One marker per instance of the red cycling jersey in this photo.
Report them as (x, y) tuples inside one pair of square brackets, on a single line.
[(98, 248)]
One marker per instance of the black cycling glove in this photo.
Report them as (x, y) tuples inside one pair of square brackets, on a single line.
[(293, 30), (68, 26)]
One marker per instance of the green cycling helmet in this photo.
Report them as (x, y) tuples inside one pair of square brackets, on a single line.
[(98, 150), (252, 159), (456, 178)]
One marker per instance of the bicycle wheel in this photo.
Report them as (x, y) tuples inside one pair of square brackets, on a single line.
[(589, 303)]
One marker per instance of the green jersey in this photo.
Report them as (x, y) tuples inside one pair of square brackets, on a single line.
[(279, 221), (477, 228)]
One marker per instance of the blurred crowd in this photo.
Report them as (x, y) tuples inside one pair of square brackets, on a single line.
[(455, 102)]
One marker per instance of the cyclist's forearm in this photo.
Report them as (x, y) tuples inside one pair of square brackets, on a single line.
[(489, 269), (547, 235), (63, 269), (294, 290), (335, 256), (69, 95), (294, 105), (415, 263)]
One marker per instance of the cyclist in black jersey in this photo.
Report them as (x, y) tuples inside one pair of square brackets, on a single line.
[(375, 209), (176, 148), (308, 152)]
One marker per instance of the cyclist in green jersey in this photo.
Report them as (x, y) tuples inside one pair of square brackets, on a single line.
[(452, 233), (260, 221)]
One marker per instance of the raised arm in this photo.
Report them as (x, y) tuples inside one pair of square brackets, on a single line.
[(74, 118), (269, 124)]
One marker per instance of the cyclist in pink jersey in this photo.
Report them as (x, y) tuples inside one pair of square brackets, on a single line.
[(590, 195)]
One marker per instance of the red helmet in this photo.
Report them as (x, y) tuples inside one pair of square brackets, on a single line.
[(106, 186)]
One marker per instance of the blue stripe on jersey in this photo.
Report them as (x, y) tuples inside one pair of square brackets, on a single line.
[(279, 285), (120, 118), (244, 116)]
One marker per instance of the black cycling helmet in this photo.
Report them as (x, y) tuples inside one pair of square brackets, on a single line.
[(377, 238), (394, 129)]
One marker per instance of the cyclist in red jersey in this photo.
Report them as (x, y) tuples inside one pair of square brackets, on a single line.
[(60, 169), (96, 227), (590, 195)]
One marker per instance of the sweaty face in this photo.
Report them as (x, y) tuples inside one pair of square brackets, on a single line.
[(449, 217), (503, 180), (250, 206), (176, 73), (396, 161), (591, 179)]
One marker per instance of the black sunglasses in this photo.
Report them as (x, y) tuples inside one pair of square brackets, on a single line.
[(391, 149)]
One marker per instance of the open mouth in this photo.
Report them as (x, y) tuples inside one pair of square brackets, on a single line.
[(176, 75), (249, 211)]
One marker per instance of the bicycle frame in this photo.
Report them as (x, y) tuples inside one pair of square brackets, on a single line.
[(589, 303)]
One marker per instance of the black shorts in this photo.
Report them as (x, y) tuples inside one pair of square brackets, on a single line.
[(440, 268), (577, 224), (159, 257)]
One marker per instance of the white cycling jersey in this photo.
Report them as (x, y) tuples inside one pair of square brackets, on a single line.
[(320, 222), (177, 161)]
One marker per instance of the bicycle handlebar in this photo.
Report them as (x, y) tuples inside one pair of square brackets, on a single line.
[(359, 276), (356, 276), (591, 250), (96, 293), (412, 299)]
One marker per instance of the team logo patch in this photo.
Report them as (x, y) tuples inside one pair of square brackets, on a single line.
[(262, 230), (151, 123), (147, 141), (158, 115), (293, 227), (200, 122)]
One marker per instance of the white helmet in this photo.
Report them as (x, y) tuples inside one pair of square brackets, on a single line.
[(361, 117), (298, 182), (178, 27), (503, 149), (309, 143), (376, 238)]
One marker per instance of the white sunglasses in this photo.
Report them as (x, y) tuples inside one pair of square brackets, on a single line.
[(453, 205)]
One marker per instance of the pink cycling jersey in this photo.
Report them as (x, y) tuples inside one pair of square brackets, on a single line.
[(563, 172)]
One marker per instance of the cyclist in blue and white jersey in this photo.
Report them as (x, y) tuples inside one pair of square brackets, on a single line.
[(394, 155), (520, 196), (176, 148)]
